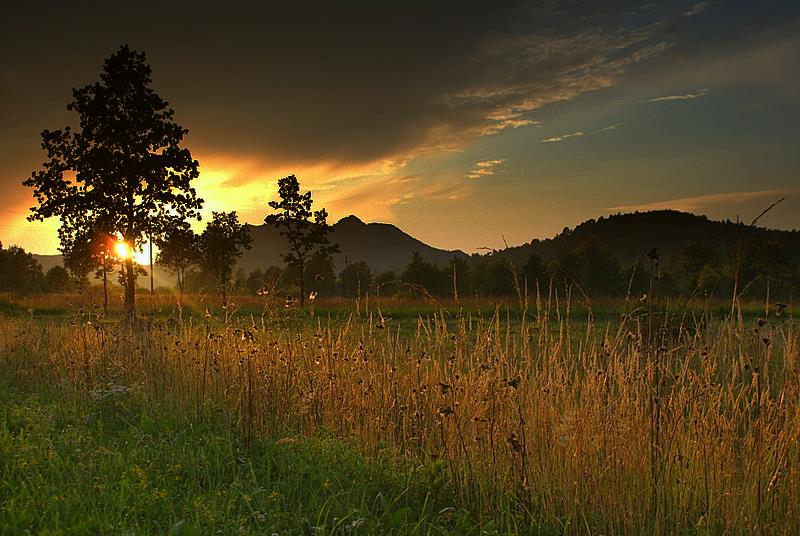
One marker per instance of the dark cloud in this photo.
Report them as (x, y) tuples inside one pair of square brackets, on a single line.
[(307, 83)]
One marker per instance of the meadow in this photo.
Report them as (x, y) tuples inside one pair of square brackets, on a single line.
[(400, 417)]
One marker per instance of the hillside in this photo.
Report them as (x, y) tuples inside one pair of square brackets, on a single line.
[(382, 246), (628, 237)]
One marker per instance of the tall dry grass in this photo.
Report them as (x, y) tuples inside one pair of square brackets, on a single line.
[(659, 422)]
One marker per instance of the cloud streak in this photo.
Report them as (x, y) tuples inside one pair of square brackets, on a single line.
[(579, 134), (688, 96), (484, 168)]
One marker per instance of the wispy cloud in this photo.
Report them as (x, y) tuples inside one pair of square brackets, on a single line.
[(579, 134), (484, 168), (687, 96)]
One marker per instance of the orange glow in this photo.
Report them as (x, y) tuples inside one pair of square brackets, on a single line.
[(122, 250)]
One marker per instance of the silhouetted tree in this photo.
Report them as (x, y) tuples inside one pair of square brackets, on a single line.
[(460, 275), (308, 239), (590, 267), (57, 279), (19, 271), (386, 284), (222, 243), (766, 268), (355, 279), (124, 166), (536, 273), (492, 276), (255, 281), (426, 275), (178, 251), (701, 262)]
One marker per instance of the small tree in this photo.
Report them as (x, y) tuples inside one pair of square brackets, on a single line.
[(19, 271), (356, 278), (123, 167), (308, 239), (57, 279), (537, 276), (90, 250), (222, 243), (178, 251)]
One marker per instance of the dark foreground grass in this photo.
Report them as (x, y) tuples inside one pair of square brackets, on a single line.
[(104, 466)]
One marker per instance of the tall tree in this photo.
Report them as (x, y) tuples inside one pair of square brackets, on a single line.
[(124, 166), (178, 250), (307, 237), (221, 244)]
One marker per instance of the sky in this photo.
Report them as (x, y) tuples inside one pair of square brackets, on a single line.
[(466, 124)]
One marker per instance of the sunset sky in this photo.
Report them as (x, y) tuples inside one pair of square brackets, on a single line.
[(461, 123)]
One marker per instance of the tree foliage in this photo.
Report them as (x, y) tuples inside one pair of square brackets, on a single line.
[(123, 169), (305, 230), (355, 279), (19, 271), (178, 252), (221, 244)]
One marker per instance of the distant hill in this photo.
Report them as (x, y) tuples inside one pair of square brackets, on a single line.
[(382, 246), (628, 237)]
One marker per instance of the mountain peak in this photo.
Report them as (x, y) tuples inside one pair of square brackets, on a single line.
[(350, 220)]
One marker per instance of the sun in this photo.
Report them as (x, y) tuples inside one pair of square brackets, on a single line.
[(122, 250)]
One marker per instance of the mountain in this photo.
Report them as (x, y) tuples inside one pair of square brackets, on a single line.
[(382, 246), (629, 237)]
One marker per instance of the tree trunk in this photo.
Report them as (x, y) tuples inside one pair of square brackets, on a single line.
[(105, 285), (224, 289), (302, 285), (130, 291), (150, 248)]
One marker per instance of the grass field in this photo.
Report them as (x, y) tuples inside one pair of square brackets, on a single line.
[(400, 417)]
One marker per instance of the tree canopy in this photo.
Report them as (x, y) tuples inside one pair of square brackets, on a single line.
[(221, 244), (123, 166)]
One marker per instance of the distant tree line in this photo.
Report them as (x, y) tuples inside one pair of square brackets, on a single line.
[(589, 269), (207, 263)]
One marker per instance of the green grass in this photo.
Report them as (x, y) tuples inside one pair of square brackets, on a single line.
[(104, 466)]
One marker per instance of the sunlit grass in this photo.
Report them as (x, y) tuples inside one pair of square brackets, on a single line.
[(675, 420)]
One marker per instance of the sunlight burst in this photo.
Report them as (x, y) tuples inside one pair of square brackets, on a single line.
[(122, 250)]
